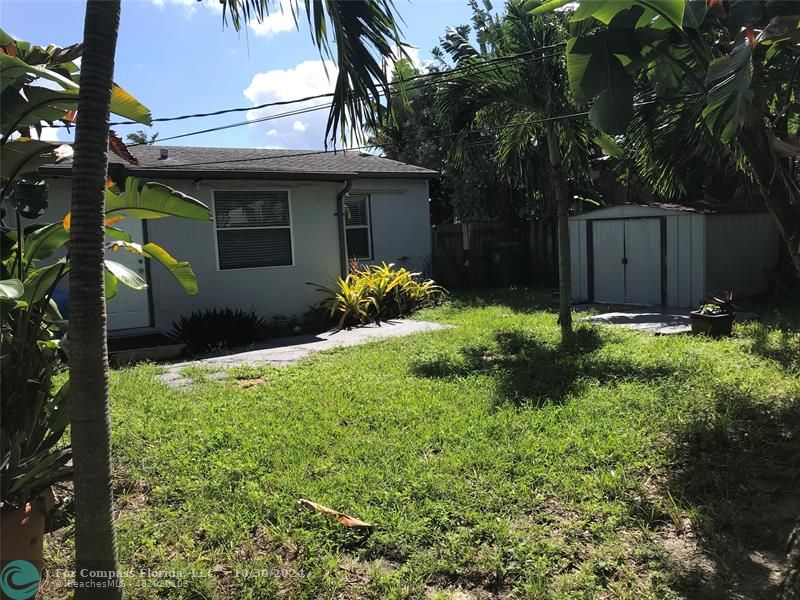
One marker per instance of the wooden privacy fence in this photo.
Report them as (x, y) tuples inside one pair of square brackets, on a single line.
[(495, 253)]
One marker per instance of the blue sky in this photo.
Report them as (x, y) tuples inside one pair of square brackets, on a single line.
[(176, 58)]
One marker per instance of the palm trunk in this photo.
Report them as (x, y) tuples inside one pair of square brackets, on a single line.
[(95, 544), (562, 210)]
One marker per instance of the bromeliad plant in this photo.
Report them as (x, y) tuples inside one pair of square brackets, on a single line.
[(375, 293), (34, 259)]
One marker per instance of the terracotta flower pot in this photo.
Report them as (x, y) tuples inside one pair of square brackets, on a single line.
[(23, 531)]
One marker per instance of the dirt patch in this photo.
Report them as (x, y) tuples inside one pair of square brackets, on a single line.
[(733, 567)]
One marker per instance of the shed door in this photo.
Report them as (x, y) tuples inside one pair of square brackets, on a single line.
[(626, 256), (608, 252), (643, 257)]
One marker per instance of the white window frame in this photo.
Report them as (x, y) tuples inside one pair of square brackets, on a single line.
[(368, 227), (290, 226)]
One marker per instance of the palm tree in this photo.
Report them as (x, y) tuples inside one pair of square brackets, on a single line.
[(363, 33), (524, 99), (95, 544)]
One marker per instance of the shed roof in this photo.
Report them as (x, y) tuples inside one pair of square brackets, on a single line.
[(187, 162), (633, 210)]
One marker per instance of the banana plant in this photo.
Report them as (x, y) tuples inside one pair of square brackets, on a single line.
[(737, 59), (35, 258)]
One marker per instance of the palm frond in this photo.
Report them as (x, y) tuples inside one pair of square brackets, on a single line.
[(358, 34)]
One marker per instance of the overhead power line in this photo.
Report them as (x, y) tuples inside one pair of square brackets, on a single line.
[(216, 113), (298, 153), (477, 68)]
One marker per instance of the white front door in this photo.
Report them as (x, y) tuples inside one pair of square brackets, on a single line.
[(608, 251), (643, 261), (129, 309)]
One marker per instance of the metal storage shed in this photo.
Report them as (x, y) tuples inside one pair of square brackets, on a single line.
[(668, 254)]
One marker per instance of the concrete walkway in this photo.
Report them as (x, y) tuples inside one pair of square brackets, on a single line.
[(657, 319), (288, 350)]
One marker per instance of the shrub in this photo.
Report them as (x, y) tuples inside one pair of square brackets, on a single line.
[(209, 330), (377, 293)]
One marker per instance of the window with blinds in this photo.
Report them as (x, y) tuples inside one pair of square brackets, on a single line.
[(357, 227), (253, 229)]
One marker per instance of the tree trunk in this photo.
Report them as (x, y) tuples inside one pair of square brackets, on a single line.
[(95, 544), (564, 265), (774, 180)]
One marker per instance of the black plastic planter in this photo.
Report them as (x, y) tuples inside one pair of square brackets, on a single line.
[(713, 325)]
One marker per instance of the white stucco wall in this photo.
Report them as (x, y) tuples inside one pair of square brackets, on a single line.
[(400, 228), (401, 224)]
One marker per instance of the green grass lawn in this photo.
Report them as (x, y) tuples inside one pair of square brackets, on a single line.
[(492, 462)]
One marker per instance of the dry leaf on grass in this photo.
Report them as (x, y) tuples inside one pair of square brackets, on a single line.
[(343, 519)]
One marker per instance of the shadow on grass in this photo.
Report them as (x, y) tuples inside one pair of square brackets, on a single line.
[(780, 345), (740, 466), (529, 372)]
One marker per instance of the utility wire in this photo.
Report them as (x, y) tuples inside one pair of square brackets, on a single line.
[(330, 94), (298, 153), (483, 68)]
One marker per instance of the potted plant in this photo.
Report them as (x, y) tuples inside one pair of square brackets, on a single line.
[(715, 317), (34, 416)]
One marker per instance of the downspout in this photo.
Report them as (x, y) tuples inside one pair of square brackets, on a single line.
[(340, 214)]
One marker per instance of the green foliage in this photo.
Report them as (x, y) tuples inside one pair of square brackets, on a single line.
[(676, 41), (729, 79), (375, 293), (215, 329), (152, 201)]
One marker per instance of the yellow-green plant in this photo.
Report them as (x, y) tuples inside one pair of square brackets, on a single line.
[(375, 293)]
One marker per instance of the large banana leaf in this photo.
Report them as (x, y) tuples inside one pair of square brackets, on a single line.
[(180, 270), (13, 68), (154, 201), (43, 242), (125, 275), (44, 104), (595, 71), (41, 281), (125, 105), (10, 289), (657, 13), (30, 154), (36, 105)]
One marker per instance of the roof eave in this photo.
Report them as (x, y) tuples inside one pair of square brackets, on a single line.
[(251, 175)]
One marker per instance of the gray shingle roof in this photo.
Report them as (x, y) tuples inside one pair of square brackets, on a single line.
[(187, 161)]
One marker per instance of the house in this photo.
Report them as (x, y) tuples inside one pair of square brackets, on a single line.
[(277, 225), (669, 254)]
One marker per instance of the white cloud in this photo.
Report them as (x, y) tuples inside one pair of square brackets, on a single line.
[(308, 78), (190, 5), (278, 21)]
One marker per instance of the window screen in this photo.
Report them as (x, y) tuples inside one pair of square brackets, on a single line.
[(357, 227), (253, 229)]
